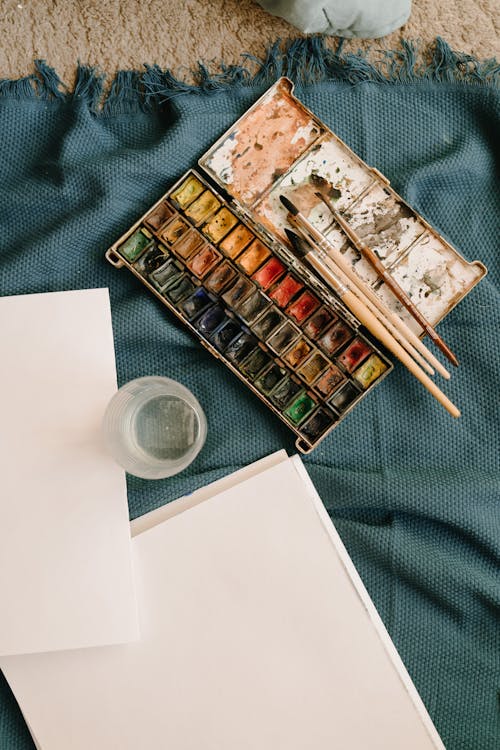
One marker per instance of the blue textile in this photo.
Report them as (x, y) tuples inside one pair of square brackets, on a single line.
[(365, 19), (413, 493)]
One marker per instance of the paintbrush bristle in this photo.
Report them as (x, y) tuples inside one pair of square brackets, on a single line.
[(299, 245), (289, 205)]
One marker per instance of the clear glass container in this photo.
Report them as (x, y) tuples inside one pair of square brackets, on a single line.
[(154, 427)]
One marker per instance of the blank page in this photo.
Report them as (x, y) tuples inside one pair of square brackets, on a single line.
[(254, 637), (65, 556)]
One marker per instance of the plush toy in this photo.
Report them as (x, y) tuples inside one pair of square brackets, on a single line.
[(346, 18)]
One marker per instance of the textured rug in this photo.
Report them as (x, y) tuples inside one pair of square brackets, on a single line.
[(125, 33), (413, 493)]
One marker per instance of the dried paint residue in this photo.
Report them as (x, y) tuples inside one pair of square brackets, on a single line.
[(434, 276), (263, 145), (329, 168), (384, 223)]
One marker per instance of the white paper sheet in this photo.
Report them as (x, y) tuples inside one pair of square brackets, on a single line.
[(164, 512), (255, 636), (65, 557)]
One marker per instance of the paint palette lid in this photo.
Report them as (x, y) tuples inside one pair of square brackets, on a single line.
[(262, 145), (279, 147)]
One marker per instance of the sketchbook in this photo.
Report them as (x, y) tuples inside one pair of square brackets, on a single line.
[(257, 634)]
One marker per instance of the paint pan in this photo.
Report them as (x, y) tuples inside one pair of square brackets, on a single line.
[(297, 353), (186, 193), (370, 371), (303, 307), (236, 293), (166, 274), (253, 306), (152, 258), (158, 216), (286, 290), (317, 323), (300, 408), (354, 354), (203, 261), (210, 320), (270, 378), (329, 381), (173, 230), (236, 241), (219, 225), (269, 273), (317, 424), (344, 396), (312, 367), (336, 336), (267, 323), (253, 257), (221, 277), (285, 392), (226, 332), (256, 362), (195, 304), (281, 340), (239, 349), (188, 244), (179, 290), (132, 248), (202, 208)]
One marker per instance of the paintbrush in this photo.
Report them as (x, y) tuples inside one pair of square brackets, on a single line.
[(368, 319), (384, 314), (360, 294), (391, 282)]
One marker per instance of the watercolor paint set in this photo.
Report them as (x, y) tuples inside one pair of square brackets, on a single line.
[(218, 257)]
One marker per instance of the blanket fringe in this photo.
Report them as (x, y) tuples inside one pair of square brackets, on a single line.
[(88, 86), (304, 60)]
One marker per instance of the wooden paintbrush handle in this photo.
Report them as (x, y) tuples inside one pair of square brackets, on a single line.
[(338, 259), (372, 258), (405, 300), (380, 332)]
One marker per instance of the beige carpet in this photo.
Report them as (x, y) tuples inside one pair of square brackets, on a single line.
[(124, 34)]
